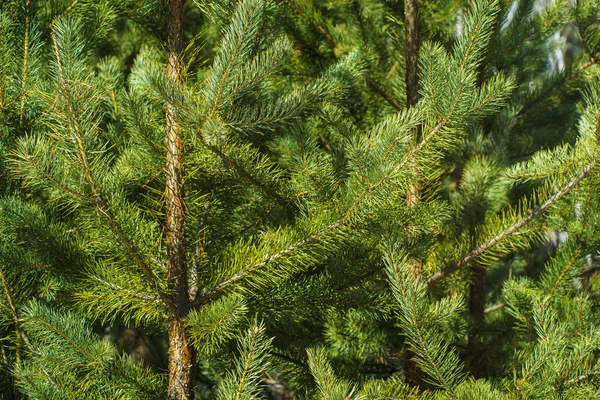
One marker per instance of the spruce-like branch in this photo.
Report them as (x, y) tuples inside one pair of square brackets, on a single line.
[(253, 269), (116, 287), (101, 204), (435, 278), (55, 182), (24, 68), (104, 208)]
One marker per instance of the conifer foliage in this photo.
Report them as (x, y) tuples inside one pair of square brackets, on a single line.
[(299, 199)]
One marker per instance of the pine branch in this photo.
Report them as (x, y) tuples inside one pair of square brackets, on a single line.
[(564, 273), (247, 362), (90, 359), (49, 177), (435, 278), (14, 314), (266, 72), (243, 380), (232, 58), (105, 209), (424, 351), (246, 272), (411, 154), (372, 84), (101, 204), (318, 27), (65, 12), (259, 219), (17, 325)]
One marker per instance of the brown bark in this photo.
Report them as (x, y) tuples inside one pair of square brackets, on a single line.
[(181, 361), (411, 26), (181, 353), (477, 290)]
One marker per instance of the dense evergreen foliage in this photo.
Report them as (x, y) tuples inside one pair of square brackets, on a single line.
[(321, 199)]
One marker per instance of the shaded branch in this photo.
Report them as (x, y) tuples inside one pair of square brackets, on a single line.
[(91, 360), (142, 296), (101, 204), (411, 26), (552, 90), (198, 251), (281, 199), (53, 180), (386, 96), (24, 68)]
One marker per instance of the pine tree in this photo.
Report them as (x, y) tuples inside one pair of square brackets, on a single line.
[(272, 190)]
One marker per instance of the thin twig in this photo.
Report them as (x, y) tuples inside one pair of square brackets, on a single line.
[(411, 25), (198, 251), (583, 377), (24, 67), (495, 308)]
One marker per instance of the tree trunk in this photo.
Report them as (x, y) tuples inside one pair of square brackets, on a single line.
[(181, 353), (477, 293), (413, 375), (477, 289), (181, 361), (413, 46), (411, 26)]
